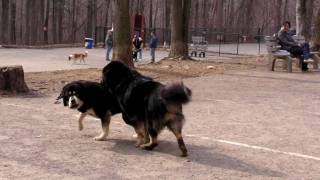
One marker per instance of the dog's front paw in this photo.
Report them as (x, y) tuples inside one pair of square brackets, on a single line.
[(148, 146), (184, 154), (139, 142), (134, 135), (80, 127), (100, 138)]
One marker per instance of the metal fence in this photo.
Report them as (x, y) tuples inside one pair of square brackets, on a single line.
[(219, 41)]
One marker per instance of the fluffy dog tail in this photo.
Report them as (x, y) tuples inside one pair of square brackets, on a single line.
[(176, 93)]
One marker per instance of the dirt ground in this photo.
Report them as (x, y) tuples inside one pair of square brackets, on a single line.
[(244, 122), (165, 70)]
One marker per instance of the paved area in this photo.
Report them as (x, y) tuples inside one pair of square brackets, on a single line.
[(240, 125), (241, 48), (37, 60)]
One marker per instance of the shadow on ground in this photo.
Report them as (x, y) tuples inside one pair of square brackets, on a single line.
[(198, 154)]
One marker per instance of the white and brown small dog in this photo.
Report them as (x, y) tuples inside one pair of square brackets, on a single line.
[(78, 57)]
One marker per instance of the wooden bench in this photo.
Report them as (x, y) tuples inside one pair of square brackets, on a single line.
[(274, 53), (199, 46)]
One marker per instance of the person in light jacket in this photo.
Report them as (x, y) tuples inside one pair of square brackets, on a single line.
[(108, 44)]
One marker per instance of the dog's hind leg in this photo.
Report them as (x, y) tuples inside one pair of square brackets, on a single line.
[(175, 126), (140, 130), (153, 140), (105, 122)]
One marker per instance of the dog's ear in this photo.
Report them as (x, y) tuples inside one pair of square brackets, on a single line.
[(64, 97), (65, 101), (60, 96)]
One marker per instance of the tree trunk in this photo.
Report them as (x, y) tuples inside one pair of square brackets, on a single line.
[(46, 23), (12, 79), (316, 36), (278, 13), (196, 15), (74, 23), (180, 11), (107, 13), (54, 22), (219, 20), (92, 17), (13, 23), (61, 5), (4, 21), (121, 34), (304, 11), (167, 21), (41, 16), (284, 10), (150, 15), (33, 22)]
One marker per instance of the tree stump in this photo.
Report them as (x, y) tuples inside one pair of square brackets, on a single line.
[(12, 80)]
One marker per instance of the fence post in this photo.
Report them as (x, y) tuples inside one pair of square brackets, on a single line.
[(95, 36), (220, 39), (259, 37), (238, 41)]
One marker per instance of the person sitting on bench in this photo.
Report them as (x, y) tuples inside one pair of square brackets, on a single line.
[(289, 44)]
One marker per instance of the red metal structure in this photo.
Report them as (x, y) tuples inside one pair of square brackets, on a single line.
[(138, 25)]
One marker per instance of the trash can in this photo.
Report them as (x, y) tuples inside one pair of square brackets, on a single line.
[(88, 43)]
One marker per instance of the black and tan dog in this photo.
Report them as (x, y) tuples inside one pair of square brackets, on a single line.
[(147, 105), (78, 57), (90, 99)]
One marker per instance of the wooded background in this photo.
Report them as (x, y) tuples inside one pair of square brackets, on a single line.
[(39, 22)]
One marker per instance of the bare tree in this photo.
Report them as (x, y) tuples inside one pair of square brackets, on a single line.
[(278, 13), (46, 22), (219, 20), (61, 4), (316, 34), (180, 12), (121, 34), (167, 19), (284, 10), (4, 21), (92, 17), (107, 13), (150, 15), (304, 12), (37, 22), (12, 29)]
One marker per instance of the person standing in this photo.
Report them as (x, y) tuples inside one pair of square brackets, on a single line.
[(108, 44), (137, 42), (153, 46)]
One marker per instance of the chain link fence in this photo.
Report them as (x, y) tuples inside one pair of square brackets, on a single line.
[(219, 41)]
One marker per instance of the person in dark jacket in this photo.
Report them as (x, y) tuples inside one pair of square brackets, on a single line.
[(137, 43), (289, 44), (153, 46)]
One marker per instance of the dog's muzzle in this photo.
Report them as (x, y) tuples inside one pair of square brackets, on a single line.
[(73, 102)]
